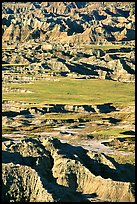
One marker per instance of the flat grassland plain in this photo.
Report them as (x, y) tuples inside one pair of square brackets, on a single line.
[(74, 91)]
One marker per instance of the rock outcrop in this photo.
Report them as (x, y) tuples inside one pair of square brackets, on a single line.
[(71, 39), (51, 41), (47, 170), (70, 22)]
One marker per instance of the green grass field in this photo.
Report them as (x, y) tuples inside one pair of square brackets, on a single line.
[(74, 91)]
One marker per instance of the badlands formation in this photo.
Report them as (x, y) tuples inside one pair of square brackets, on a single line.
[(54, 150)]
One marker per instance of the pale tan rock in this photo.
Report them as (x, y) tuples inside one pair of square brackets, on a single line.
[(40, 170)]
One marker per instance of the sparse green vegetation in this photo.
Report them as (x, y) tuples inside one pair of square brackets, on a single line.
[(74, 91), (122, 159), (68, 100), (107, 133)]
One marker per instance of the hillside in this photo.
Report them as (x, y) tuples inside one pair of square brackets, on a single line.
[(46, 170), (75, 39), (68, 101)]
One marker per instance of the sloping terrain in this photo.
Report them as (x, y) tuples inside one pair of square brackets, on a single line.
[(48, 170), (68, 105), (74, 39), (75, 22)]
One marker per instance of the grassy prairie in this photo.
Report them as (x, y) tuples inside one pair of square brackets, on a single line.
[(74, 91)]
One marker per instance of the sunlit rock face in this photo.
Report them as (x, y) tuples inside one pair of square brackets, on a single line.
[(47, 170), (71, 22), (61, 38)]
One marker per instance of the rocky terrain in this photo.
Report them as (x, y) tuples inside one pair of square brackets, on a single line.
[(50, 38), (46, 170), (68, 152)]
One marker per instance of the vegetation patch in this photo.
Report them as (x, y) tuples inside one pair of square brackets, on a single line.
[(74, 91), (122, 159), (127, 144), (107, 133)]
